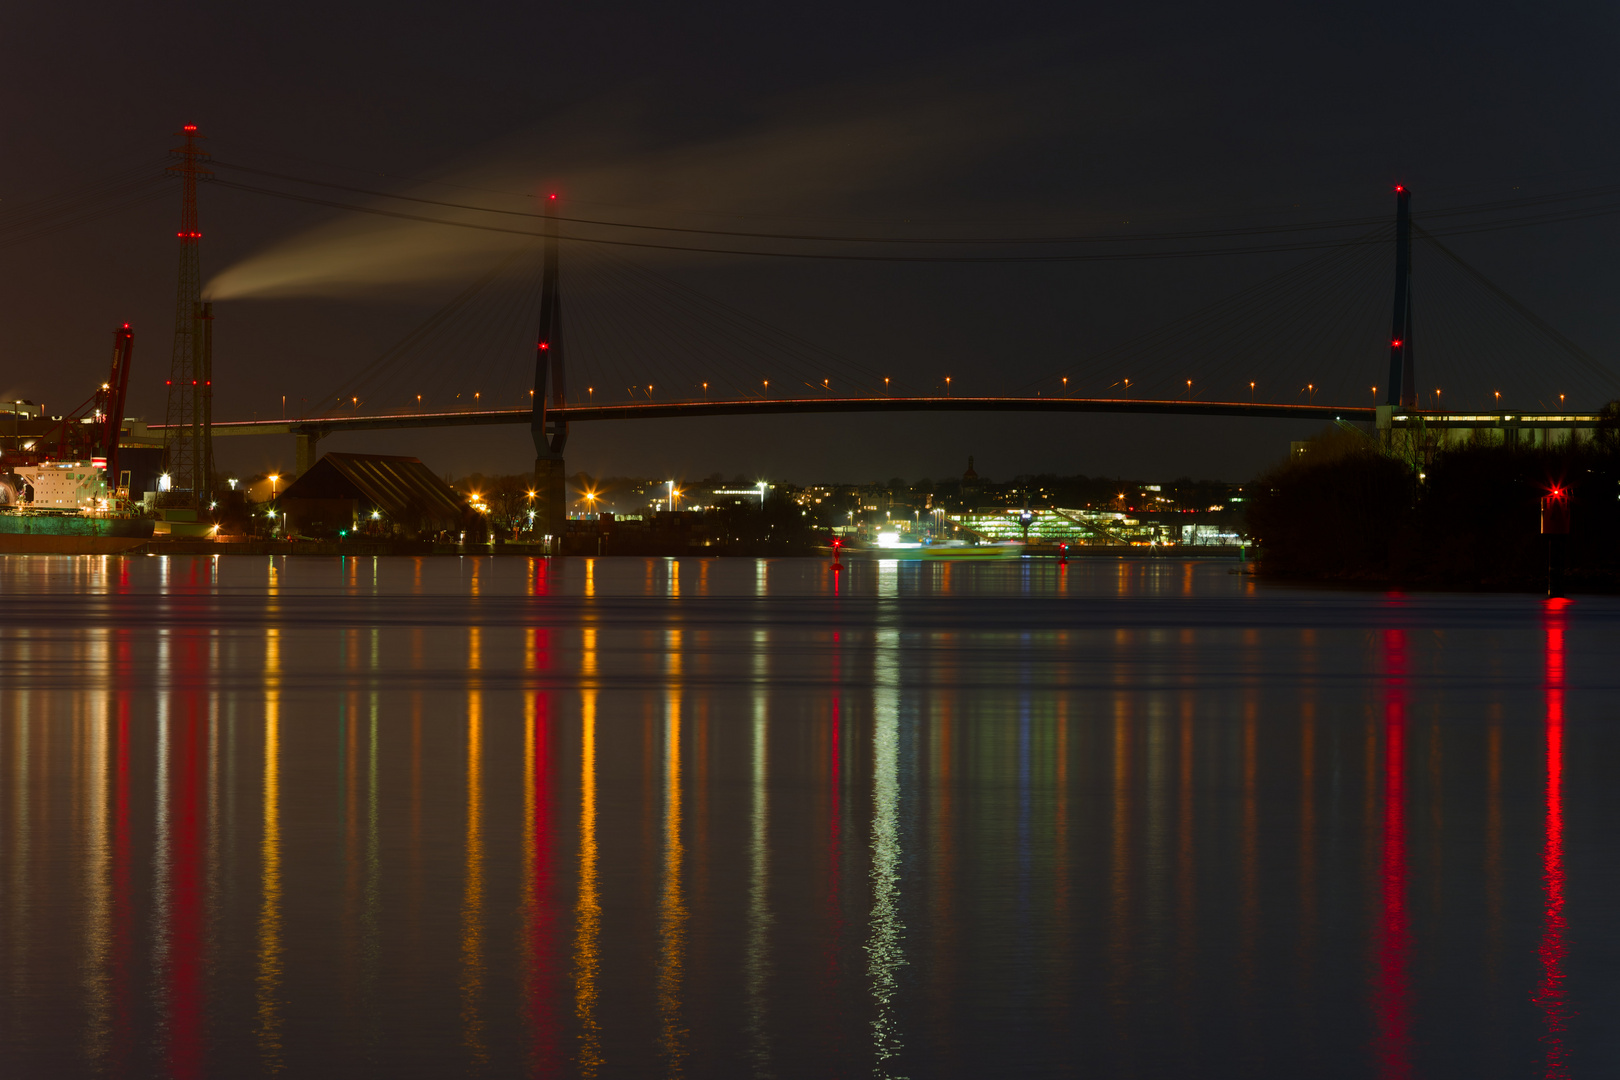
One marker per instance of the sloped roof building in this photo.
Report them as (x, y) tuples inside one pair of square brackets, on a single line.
[(342, 491)]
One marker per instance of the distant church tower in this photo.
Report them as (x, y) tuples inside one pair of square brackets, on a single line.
[(970, 487)]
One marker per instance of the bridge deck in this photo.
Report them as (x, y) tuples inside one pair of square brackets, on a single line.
[(656, 410)]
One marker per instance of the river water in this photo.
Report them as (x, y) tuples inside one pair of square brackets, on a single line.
[(621, 817)]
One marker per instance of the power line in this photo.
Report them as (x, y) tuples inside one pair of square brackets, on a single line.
[(1090, 238), (828, 256)]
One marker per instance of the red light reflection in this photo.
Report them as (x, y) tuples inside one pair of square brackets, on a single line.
[(1391, 995), (539, 909), (1549, 993)]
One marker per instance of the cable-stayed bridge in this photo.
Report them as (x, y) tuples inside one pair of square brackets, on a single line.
[(1315, 341)]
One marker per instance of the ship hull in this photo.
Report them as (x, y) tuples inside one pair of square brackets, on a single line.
[(943, 552), (70, 534)]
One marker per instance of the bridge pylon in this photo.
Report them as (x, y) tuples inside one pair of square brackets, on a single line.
[(1402, 389), (550, 432)]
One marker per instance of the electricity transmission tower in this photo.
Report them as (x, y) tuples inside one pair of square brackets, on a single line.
[(188, 448)]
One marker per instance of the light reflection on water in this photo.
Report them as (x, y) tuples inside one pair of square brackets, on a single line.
[(690, 818)]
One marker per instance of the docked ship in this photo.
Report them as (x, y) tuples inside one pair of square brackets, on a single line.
[(55, 498)]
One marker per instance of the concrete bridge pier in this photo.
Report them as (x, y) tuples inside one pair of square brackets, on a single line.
[(307, 441), (551, 499)]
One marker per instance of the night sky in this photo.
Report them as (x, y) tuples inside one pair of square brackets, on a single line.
[(936, 118)]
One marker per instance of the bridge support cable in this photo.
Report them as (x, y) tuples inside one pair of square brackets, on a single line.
[(697, 339), (1595, 378), (388, 376), (1313, 324)]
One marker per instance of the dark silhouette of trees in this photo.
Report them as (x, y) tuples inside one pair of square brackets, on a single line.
[(1342, 511)]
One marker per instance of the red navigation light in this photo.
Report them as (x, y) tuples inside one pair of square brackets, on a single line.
[(126, 326), (552, 196), (1400, 187), (1395, 344), (544, 345)]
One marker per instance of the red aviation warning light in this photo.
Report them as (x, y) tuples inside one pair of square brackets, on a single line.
[(545, 345), (1395, 344), (1555, 512)]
